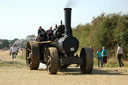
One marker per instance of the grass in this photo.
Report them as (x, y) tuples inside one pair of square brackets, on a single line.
[(12, 64), (7, 62), (21, 57)]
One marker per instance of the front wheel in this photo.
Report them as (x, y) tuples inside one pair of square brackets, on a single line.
[(87, 65), (52, 60)]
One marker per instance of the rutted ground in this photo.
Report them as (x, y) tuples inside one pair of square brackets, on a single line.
[(16, 73)]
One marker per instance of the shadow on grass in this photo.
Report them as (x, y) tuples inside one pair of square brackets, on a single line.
[(77, 71), (108, 72), (11, 63)]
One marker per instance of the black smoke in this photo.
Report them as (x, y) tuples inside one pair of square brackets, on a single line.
[(69, 4)]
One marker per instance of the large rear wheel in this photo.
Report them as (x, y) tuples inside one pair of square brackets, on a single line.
[(32, 56), (52, 60), (87, 65)]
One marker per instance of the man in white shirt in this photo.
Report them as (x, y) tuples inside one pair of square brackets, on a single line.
[(119, 55), (13, 52)]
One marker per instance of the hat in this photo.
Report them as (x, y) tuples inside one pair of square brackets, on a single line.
[(40, 26)]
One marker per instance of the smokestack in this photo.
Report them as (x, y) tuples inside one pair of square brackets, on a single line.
[(68, 30)]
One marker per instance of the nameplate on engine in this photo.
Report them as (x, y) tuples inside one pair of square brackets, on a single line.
[(72, 49)]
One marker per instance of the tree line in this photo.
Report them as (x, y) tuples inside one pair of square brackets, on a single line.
[(106, 30), (20, 43)]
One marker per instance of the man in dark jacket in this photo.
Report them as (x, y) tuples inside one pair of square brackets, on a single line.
[(50, 33), (42, 36)]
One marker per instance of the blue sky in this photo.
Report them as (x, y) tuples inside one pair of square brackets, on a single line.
[(19, 18)]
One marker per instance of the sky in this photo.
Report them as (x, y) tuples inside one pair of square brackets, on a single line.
[(20, 18)]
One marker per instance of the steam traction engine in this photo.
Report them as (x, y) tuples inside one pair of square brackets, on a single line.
[(59, 52)]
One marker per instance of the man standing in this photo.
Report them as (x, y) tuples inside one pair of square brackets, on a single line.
[(50, 33), (104, 55), (13, 52), (99, 58), (119, 55), (42, 36)]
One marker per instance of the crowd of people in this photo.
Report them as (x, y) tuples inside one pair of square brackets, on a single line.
[(44, 35), (102, 56)]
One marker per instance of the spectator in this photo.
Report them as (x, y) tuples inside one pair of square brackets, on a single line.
[(99, 58), (13, 52), (104, 55), (50, 33), (119, 55)]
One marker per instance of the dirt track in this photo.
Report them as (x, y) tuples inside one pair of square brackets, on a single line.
[(16, 73)]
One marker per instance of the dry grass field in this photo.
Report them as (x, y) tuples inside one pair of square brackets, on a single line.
[(16, 73)]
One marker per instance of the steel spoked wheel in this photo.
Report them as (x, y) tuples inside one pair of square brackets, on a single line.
[(87, 65), (32, 56), (52, 60)]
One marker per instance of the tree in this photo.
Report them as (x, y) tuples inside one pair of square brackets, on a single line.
[(5, 43), (31, 37), (105, 30), (20, 43)]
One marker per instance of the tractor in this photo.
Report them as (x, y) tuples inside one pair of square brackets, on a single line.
[(60, 50)]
